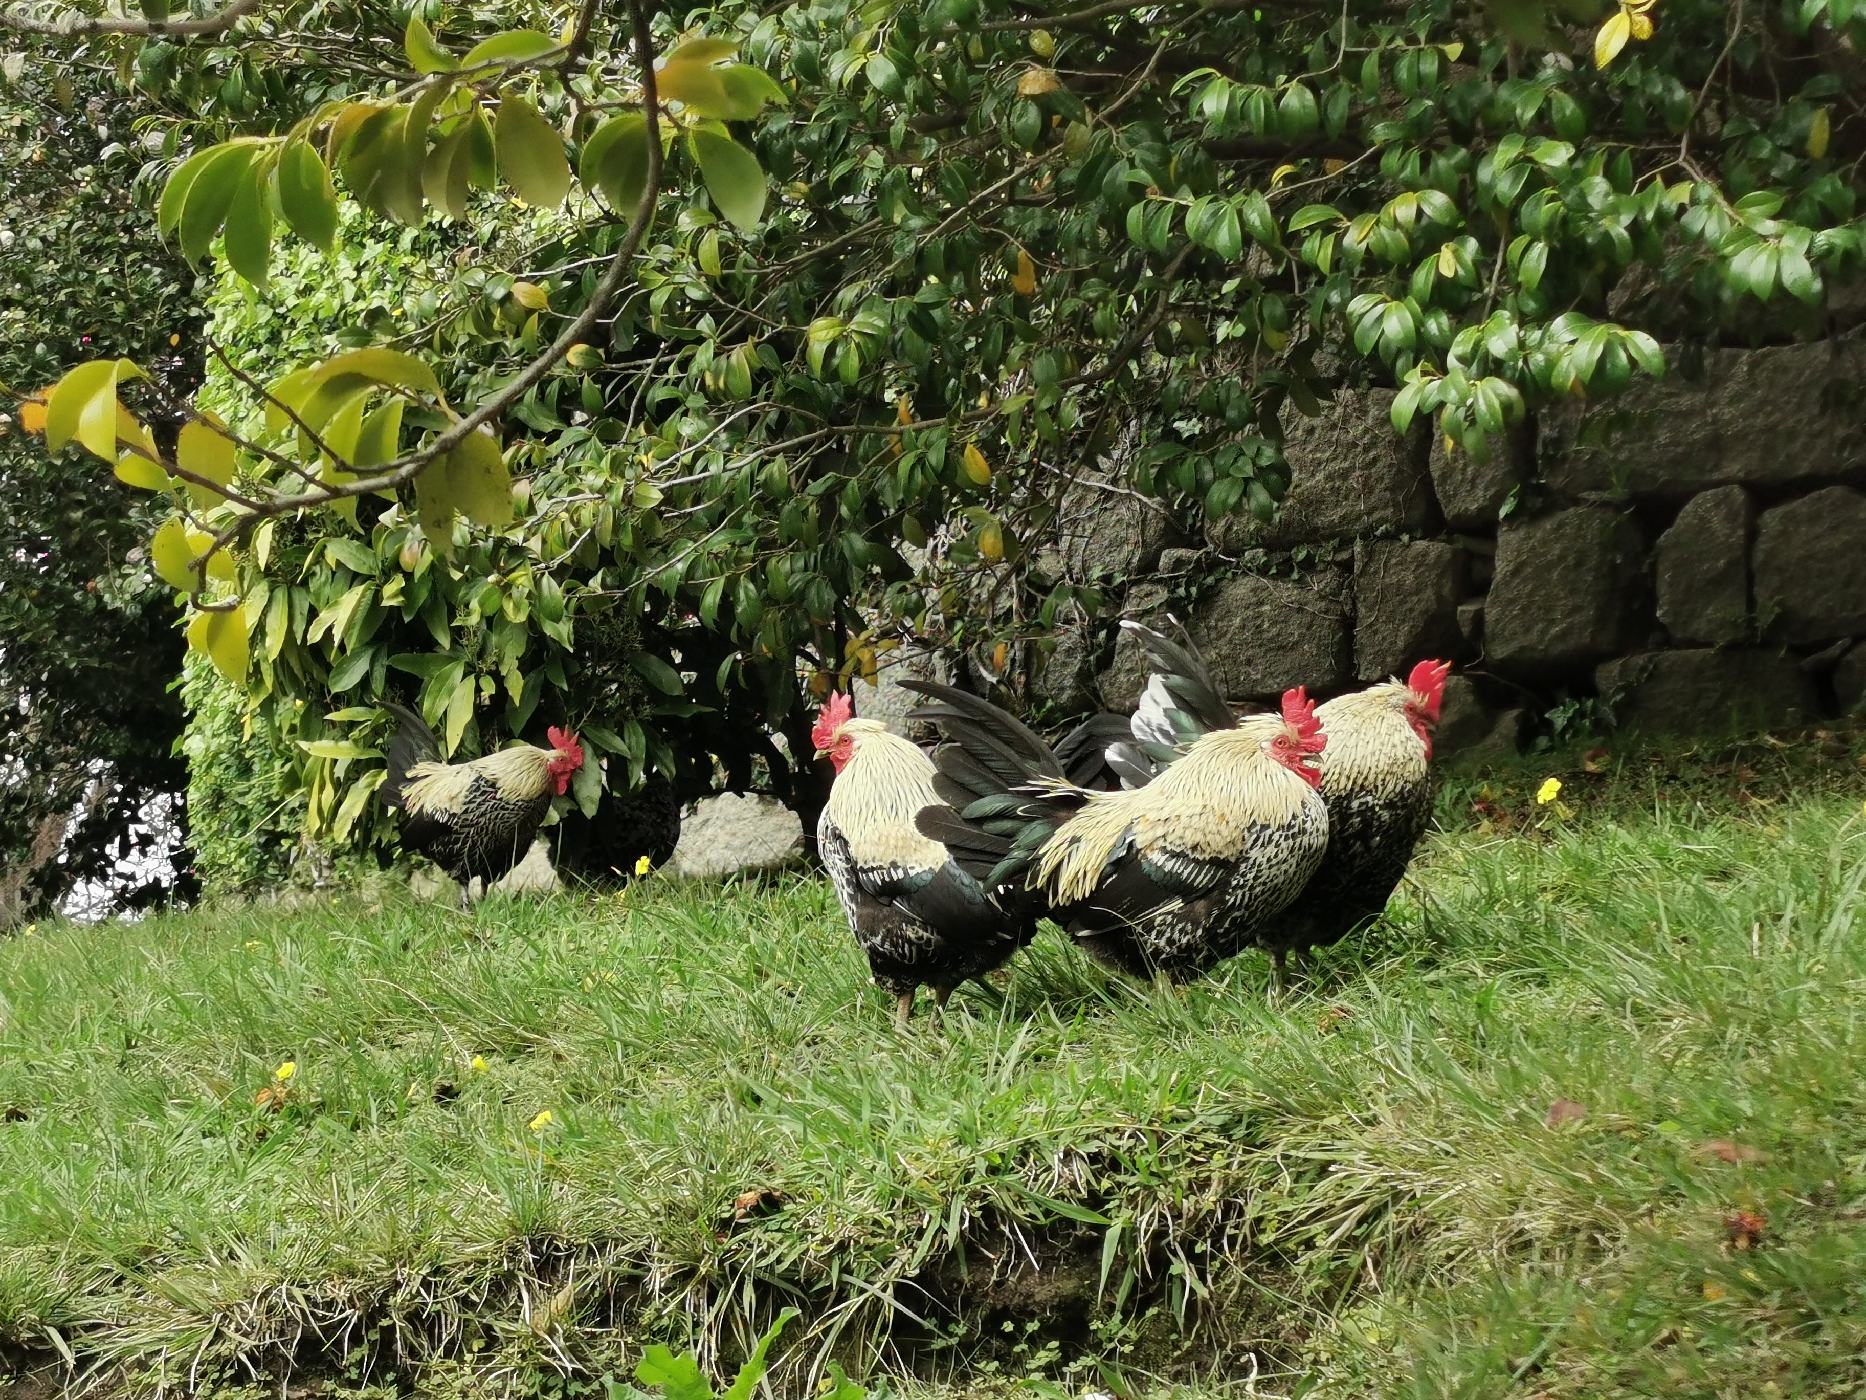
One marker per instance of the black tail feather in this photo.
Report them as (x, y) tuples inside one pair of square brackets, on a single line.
[(1182, 700), (413, 743), (989, 771), (1083, 751)]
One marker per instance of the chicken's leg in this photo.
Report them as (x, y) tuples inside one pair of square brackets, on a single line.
[(941, 995), (903, 1009)]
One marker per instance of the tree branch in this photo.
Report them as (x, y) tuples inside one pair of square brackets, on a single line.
[(75, 24)]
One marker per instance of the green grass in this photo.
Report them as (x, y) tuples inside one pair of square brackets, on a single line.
[(1359, 1190)]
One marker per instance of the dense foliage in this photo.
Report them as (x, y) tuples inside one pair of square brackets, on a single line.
[(87, 720), (906, 273)]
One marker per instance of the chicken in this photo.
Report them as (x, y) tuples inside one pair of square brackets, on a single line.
[(475, 820), (1165, 879), (922, 919), (1376, 782)]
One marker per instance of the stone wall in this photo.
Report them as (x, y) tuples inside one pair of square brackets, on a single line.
[(1689, 555)]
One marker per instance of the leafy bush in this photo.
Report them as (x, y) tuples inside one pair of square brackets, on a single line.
[(824, 387)]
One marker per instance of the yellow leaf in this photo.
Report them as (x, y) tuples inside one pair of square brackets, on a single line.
[(1452, 52), (1713, 1292), (222, 637), (530, 296), (83, 405), (219, 564), (1820, 128), (1282, 173), (1333, 165), (204, 449), (1447, 260), (1042, 43), (1025, 282), (138, 471), (1037, 81), (977, 469), (991, 542), (32, 416), (169, 551), (1641, 25), (1612, 38), (1000, 657)]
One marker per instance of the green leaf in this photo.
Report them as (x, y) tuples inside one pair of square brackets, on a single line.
[(709, 252), (249, 231), (446, 172), (459, 712), (657, 673), (704, 50), (175, 191), (885, 76), (1259, 222), (209, 198), (352, 554), (350, 670), (615, 161), (306, 197), (746, 90), (424, 53), (586, 788), (1312, 214), (677, 1377), (380, 439), (531, 154), (478, 480), (1799, 277), (513, 46), (733, 177), (753, 1371), (379, 366)]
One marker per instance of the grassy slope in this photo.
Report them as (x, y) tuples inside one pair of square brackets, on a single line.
[(1359, 1186)]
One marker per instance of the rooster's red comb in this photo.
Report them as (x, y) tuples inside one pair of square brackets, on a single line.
[(837, 711), (1299, 715), (565, 743), (1428, 680)]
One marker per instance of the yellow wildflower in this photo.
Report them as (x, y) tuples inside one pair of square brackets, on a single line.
[(1549, 791), (253, 945), (542, 1121), (643, 866), (30, 930), (477, 1064), (285, 1071)]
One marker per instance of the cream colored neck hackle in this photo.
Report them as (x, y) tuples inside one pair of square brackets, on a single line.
[(876, 796), (518, 774), (1372, 745), (1204, 805)]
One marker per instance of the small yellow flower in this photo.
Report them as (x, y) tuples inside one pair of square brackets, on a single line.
[(643, 866), (542, 1121), (477, 1064), (1549, 791), (253, 945), (285, 1071), (30, 930)]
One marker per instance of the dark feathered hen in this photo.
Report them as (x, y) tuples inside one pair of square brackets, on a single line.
[(1170, 877), (475, 820), (1376, 782)]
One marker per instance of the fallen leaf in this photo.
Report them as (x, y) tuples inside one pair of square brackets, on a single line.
[(1744, 1229), (1713, 1292), (1735, 1153), (760, 1200), (1595, 761), (1331, 1018), (271, 1098), (1563, 1111)]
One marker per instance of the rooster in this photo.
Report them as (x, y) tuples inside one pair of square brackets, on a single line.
[(1165, 879), (922, 919), (475, 820), (1376, 782)]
